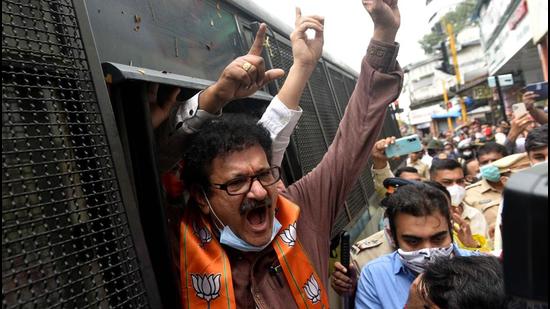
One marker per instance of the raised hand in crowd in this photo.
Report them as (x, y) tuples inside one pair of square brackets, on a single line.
[(529, 98), (241, 78), (379, 158), (306, 53), (462, 229), (518, 126), (160, 110), (386, 17)]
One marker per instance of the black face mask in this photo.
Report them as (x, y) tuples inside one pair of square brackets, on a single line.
[(432, 152)]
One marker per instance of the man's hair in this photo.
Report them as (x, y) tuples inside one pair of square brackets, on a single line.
[(406, 169), (492, 147), (465, 282), (465, 165), (536, 139), (443, 165), (417, 199), (220, 137)]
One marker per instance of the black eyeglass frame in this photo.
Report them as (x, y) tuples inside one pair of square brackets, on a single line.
[(271, 170)]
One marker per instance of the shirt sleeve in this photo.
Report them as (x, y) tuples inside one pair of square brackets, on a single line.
[(322, 192), (280, 121), (378, 177), (185, 119), (366, 296)]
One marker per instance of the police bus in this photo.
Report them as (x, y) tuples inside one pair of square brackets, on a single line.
[(81, 185)]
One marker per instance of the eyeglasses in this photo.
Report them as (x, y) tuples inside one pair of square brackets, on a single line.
[(242, 185)]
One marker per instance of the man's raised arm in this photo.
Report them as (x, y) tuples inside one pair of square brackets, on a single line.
[(323, 191)]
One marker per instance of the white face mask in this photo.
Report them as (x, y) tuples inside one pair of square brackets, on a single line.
[(457, 194), (229, 238), (418, 261)]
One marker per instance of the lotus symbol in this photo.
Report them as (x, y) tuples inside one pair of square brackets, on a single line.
[(289, 235), (207, 286), (312, 289), (203, 234)]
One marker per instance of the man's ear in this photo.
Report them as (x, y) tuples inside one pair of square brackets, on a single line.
[(199, 196), (504, 179)]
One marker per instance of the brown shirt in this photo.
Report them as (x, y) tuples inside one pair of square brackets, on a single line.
[(321, 193)]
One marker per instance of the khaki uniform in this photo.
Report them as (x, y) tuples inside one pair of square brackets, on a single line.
[(422, 168), (509, 164), (370, 248), (484, 198)]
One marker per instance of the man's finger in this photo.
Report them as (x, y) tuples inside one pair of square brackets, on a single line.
[(173, 95), (298, 15), (339, 266), (258, 44), (152, 92), (272, 75), (257, 70)]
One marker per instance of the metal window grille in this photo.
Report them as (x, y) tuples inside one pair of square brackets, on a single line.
[(66, 235)]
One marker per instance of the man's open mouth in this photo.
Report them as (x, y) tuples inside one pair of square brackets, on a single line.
[(257, 218)]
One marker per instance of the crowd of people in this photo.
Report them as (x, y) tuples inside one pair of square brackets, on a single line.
[(245, 239)]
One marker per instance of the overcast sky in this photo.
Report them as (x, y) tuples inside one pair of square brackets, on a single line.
[(348, 27)]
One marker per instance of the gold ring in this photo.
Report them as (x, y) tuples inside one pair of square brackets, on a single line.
[(247, 66)]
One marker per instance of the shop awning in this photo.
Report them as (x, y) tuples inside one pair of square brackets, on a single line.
[(454, 112)]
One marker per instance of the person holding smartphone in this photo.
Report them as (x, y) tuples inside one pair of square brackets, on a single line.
[(529, 98)]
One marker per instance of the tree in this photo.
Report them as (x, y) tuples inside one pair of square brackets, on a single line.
[(459, 18)]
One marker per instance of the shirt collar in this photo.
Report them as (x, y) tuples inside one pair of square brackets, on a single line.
[(397, 265), (485, 186)]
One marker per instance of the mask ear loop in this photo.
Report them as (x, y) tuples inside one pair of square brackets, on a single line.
[(213, 212)]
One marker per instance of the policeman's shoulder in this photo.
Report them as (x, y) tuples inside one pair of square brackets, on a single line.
[(370, 242), (473, 186)]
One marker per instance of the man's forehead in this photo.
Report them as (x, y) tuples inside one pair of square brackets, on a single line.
[(490, 156), (454, 174), (421, 226), (240, 161)]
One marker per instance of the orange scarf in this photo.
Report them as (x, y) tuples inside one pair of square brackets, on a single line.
[(206, 272)]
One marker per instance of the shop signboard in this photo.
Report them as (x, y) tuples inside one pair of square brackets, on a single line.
[(538, 18), (508, 43)]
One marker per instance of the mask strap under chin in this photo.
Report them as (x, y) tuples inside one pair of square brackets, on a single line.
[(213, 212)]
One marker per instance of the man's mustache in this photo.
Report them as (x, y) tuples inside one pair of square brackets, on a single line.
[(248, 205)]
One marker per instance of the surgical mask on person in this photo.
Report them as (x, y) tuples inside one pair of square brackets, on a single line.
[(418, 261), (229, 238), (457, 194), (490, 173), (539, 163)]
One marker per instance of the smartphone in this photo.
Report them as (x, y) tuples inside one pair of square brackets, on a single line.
[(519, 110), (404, 146), (541, 89)]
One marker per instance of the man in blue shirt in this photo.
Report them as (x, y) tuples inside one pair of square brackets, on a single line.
[(421, 228)]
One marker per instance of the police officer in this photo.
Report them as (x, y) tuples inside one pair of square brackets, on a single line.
[(486, 195)]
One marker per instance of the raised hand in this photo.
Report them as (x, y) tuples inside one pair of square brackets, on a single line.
[(242, 77), (160, 110), (529, 98), (305, 51), (379, 158), (462, 229), (386, 17)]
